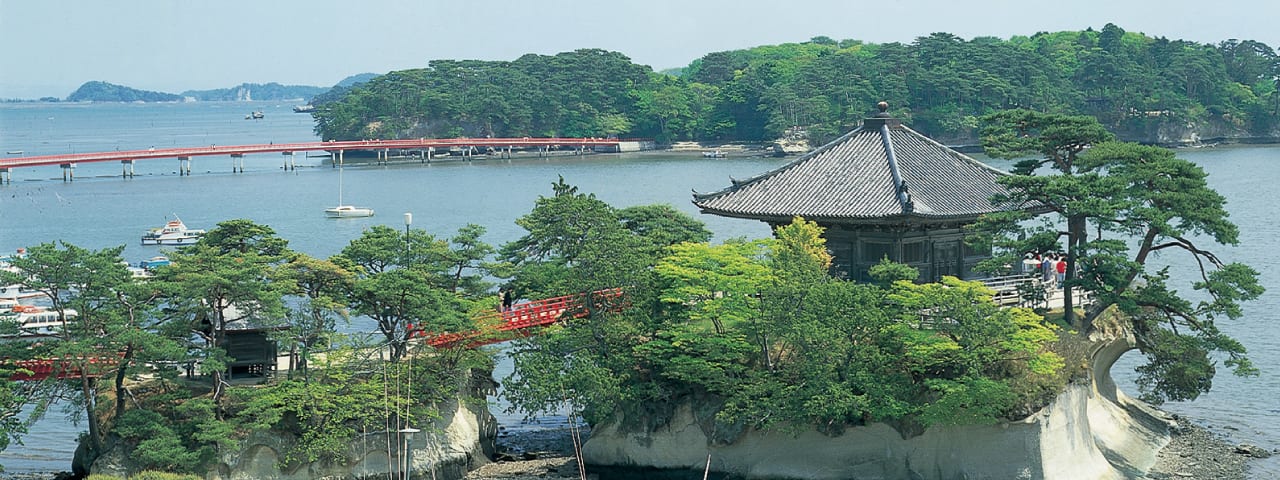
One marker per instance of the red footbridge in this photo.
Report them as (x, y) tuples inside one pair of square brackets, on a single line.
[(62, 368), (424, 148), (521, 320), (526, 319)]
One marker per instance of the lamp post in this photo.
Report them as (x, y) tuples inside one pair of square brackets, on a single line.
[(407, 432), (408, 221)]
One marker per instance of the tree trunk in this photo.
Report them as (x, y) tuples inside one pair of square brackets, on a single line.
[(119, 380), (1076, 236), (90, 407)]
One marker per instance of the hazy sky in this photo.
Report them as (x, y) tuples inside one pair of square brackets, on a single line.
[(50, 47)]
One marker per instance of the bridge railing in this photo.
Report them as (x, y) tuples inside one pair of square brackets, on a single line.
[(522, 318), (70, 367)]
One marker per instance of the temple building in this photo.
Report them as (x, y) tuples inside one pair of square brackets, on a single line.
[(881, 190)]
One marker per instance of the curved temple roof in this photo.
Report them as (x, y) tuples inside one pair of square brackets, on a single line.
[(881, 171)]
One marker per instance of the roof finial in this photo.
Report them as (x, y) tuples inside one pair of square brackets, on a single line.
[(884, 110)]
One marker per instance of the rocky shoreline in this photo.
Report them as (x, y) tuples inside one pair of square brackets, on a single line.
[(1193, 453), (1196, 453)]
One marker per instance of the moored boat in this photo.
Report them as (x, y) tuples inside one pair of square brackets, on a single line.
[(157, 261), (174, 232), (345, 211)]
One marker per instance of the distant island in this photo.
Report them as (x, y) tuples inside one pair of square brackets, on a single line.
[(99, 91), (108, 92), (256, 91)]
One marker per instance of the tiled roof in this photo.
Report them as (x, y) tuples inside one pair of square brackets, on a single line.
[(854, 178)]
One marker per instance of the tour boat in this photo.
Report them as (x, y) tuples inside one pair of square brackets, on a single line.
[(32, 321), (174, 232)]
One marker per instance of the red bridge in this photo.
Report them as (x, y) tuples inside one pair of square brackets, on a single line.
[(62, 368), (382, 147), (526, 318)]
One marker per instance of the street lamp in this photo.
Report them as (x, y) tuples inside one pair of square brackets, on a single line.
[(408, 220), (407, 432)]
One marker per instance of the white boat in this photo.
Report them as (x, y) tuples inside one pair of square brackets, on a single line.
[(17, 292), (714, 154), (32, 321), (343, 211), (346, 211), (174, 232)]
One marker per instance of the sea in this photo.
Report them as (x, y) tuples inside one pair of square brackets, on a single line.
[(100, 209)]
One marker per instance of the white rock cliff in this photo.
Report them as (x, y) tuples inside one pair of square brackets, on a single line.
[(1090, 431)]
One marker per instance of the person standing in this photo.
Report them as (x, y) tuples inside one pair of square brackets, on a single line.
[(1046, 270), (1060, 269)]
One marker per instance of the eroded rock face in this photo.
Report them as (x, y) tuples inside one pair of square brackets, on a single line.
[(458, 442), (1085, 433)]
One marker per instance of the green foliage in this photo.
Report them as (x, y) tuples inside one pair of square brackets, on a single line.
[(157, 445), (888, 272), (1120, 203), (760, 328), (411, 278), (939, 83)]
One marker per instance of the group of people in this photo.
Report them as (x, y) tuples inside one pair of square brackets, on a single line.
[(1051, 266)]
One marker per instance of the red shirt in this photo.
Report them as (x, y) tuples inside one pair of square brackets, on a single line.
[(1061, 267)]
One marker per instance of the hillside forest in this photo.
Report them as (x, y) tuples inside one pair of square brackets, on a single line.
[(939, 84)]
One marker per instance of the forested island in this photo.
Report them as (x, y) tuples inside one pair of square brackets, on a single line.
[(1151, 90), (256, 91), (108, 92)]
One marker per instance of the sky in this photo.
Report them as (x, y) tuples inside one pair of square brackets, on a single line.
[(51, 47)]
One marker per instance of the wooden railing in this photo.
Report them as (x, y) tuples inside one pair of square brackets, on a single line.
[(525, 318), (61, 368)]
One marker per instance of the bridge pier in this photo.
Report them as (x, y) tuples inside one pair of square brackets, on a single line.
[(6, 176), (237, 163), (68, 172), (431, 154), (288, 164), (127, 167), (184, 166)]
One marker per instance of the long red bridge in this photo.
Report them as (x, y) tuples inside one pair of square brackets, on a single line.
[(521, 321), (426, 146)]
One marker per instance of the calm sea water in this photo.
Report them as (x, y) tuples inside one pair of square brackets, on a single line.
[(100, 209)]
